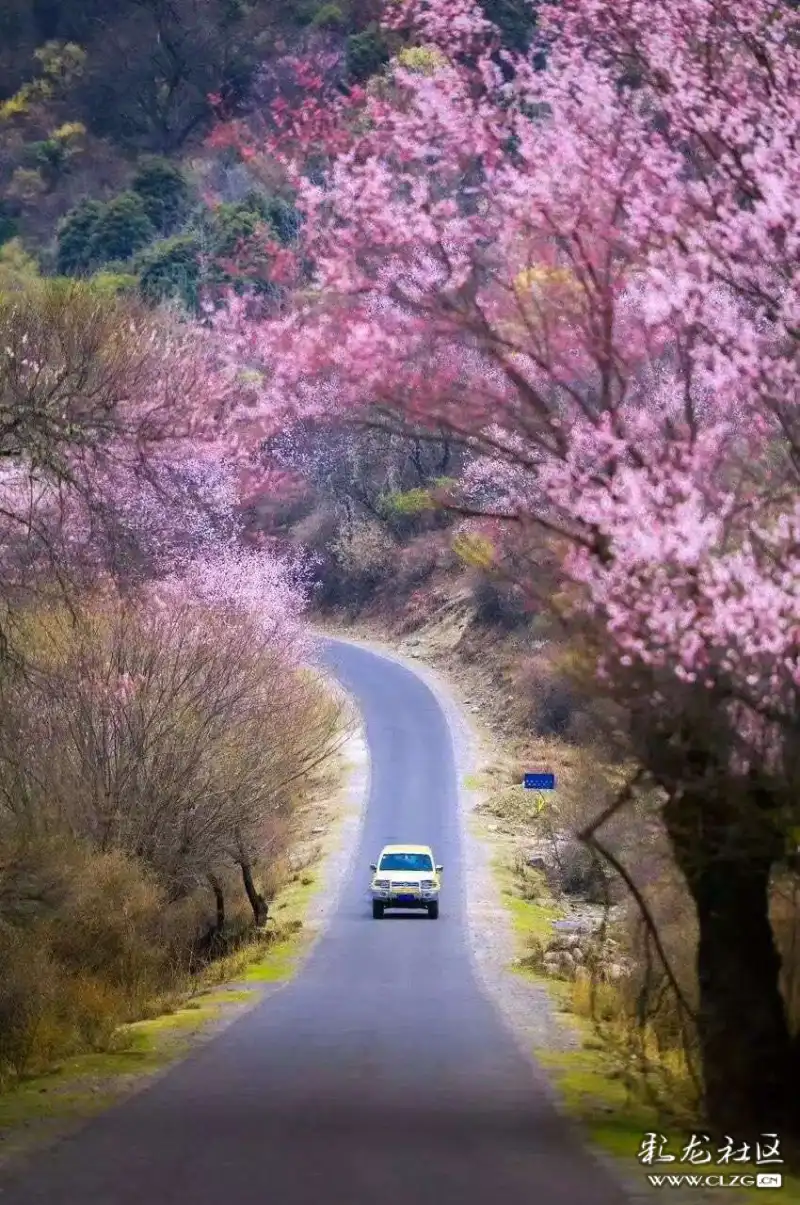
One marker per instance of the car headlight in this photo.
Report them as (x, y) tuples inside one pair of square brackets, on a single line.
[(382, 883), (427, 884)]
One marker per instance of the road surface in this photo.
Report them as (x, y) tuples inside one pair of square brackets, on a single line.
[(380, 1076)]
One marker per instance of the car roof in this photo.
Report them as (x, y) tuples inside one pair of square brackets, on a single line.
[(406, 849)]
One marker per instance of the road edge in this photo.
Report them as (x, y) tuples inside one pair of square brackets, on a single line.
[(470, 756)]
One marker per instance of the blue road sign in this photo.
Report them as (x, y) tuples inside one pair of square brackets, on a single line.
[(540, 781)]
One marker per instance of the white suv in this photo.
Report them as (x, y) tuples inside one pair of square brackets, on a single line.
[(405, 876)]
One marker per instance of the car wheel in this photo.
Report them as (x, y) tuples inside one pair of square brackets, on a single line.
[(377, 910), (433, 910)]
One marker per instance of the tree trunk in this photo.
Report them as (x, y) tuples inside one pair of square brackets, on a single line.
[(257, 901), (219, 900), (726, 853)]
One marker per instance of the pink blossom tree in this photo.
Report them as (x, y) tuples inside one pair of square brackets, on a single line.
[(588, 274), (240, 583), (126, 450)]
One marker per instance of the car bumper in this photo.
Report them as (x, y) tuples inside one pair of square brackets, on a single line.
[(404, 899)]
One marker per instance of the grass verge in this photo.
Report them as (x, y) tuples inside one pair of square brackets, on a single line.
[(595, 1095), (593, 1089)]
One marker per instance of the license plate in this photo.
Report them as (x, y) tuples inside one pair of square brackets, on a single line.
[(406, 899)]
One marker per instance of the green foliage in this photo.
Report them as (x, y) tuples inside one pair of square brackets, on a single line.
[(365, 54), (330, 16), (74, 237), (170, 269), (8, 224), (516, 20), (233, 221), (51, 153), (94, 234), (424, 60), (18, 269), (407, 502), (61, 62), (474, 550), (60, 65), (164, 191), (97, 235), (282, 217), (177, 267), (320, 14), (121, 230), (230, 224), (114, 283), (232, 235)]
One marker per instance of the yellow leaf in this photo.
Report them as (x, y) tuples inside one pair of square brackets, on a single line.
[(474, 550), (425, 60), (70, 129), (538, 277), (14, 106)]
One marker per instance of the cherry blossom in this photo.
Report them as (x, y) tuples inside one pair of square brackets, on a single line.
[(587, 272), (594, 286)]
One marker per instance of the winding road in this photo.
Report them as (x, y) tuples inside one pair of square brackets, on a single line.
[(380, 1076)]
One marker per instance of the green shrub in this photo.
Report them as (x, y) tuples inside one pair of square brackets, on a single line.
[(365, 54), (329, 16), (516, 20), (121, 229), (407, 502), (171, 269), (165, 193), (18, 270), (8, 224), (51, 154), (95, 234), (282, 217), (74, 238)]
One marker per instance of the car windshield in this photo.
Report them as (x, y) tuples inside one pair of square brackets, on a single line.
[(414, 862)]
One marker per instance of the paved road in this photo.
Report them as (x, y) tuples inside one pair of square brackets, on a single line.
[(380, 1076)]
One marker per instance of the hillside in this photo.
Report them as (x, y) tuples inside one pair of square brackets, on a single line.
[(104, 121), (105, 115)]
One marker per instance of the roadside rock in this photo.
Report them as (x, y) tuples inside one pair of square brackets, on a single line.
[(578, 944)]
